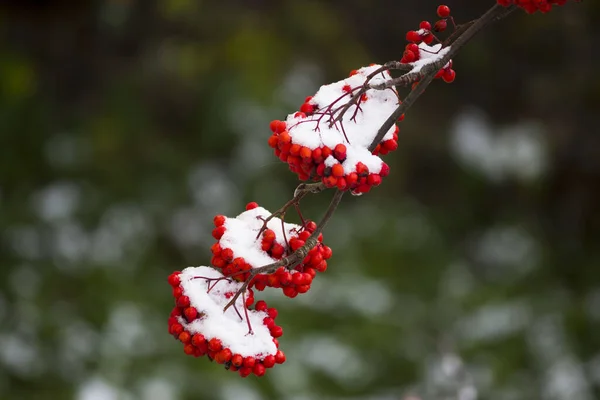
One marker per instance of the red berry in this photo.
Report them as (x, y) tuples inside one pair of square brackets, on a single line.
[(218, 232), (310, 226), (268, 322), (219, 220), (173, 279), (190, 313), (449, 75), (285, 278), (385, 170), (408, 56), (279, 357), (269, 235), (223, 356), (277, 331), (339, 152), (237, 360), (413, 36), (188, 349), (290, 292), (249, 362), (252, 205), (245, 371), (303, 288), (176, 329), (440, 26), (307, 108), (261, 305), (337, 170), (297, 279), (198, 340), (215, 344), (326, 252), (425, 25), (295, 244), (269, 361), (215, 249), (414, 48), (277, 250), (273, 125), (183, 301), (259, 370), (443, 11), (374, 180), (272, 312), (185, 337)]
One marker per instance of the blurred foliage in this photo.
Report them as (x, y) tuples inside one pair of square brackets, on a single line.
[(126, 125)]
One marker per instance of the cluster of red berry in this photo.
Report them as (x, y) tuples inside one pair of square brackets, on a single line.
[(532, 6), (250, 243), (198, 321), (420, 40), (251, 240), (317, 146)]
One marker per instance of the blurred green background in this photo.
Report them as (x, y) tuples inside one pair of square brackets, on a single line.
[(473, 272)]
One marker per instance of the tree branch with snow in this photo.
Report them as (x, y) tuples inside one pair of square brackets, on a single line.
[(336, 140)]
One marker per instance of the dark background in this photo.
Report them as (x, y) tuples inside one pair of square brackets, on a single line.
[(125, 126)]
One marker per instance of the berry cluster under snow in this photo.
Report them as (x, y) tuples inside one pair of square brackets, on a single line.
[(242, 335), (241, 338), (318, 146), (247, 242)]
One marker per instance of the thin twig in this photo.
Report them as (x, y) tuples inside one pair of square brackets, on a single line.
[(302, 190), (390, 65)]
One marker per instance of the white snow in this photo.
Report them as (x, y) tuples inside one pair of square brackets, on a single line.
[(226, 326), (428, 55), (241, 235), (360, 132)]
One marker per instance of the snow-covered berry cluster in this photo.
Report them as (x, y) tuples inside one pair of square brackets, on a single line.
[(532, 6), (251, 241), (242, 338), (420, 52), (320, 145), (217, 316)]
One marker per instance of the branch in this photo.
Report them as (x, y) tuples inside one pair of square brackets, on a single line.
[(427, 73), (424, 77)]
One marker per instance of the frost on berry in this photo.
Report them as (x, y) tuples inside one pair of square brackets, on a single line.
[(250, 241), (315, 140), (227, 337)]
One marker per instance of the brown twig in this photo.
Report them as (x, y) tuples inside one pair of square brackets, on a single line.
[(390, 65), (302, 190)]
